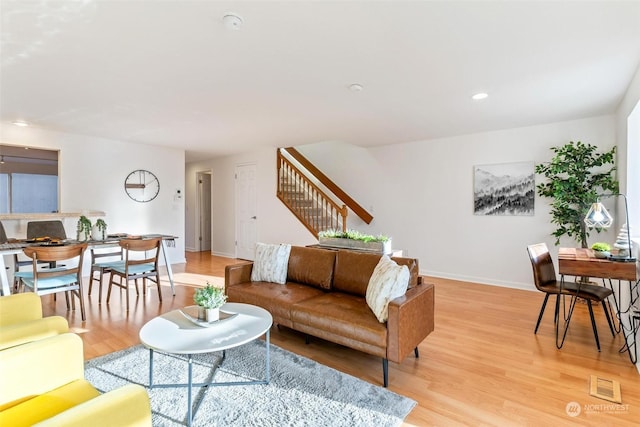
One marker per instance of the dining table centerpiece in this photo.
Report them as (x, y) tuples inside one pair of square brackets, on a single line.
[(209, 300)]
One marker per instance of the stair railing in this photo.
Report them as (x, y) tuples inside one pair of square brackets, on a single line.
[(312, 206)]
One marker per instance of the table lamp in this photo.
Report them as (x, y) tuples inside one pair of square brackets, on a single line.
[(599, 217)]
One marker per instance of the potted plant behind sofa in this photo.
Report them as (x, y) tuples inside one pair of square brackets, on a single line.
[(209, 300), (353, 239)]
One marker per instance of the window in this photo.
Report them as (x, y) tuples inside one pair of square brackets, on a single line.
[(633, 171), (28, 180)]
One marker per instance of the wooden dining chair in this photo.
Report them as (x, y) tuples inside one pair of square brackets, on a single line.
[(53, 229), (66, 279), (140, 262), (101, 263), (544, 278)]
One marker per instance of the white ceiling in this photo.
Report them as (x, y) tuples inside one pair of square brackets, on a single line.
[(170, 72)]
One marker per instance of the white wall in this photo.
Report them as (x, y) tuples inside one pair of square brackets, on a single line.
[(421, 194), (92, 174), (275, 224), (629, 165)]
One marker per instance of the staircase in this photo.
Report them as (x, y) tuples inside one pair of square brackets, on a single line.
[(299, 188)]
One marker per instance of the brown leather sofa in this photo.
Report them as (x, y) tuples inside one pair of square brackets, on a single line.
[(324, 296)]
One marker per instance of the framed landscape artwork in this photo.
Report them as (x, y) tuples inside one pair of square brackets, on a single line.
[(504, 189)]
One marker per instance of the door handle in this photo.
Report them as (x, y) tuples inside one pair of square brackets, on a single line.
[(254, 217)]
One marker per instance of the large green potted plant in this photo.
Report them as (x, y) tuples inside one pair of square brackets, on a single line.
[(575, 176)]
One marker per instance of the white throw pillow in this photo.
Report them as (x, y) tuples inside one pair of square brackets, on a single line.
[(388, 282), (270, 263)]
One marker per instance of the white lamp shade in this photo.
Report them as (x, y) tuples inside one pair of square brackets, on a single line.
[(598, 216)]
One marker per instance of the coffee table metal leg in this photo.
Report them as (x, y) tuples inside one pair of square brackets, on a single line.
[(189, 386), (268, 360), (150, 368)]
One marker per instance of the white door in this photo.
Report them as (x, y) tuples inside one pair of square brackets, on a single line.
[(246, 212), (204, 210)]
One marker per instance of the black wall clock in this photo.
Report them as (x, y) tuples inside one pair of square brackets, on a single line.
[(142, 185)]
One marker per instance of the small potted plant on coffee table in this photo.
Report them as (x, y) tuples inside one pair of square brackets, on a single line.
[(209, 300), (601, 250)]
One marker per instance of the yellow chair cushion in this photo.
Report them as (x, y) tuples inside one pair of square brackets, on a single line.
[(18, 308), (48, 404), (126, 406), (32, 330)]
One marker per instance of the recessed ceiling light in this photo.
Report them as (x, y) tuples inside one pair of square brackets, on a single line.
[(479, 96), (355, 87), (232, 21), (20, 123)]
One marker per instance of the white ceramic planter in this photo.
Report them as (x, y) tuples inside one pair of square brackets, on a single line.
[(602, 254), (208, 314), (97, 234)]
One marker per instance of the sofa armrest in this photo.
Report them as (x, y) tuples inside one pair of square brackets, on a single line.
[(39, 366), (18, 308), (126, 406), (32, 330), (411, 319), (237, 273)]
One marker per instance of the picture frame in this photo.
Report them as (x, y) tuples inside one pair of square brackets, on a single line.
[(504, 189)]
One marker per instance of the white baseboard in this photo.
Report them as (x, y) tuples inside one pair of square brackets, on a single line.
[(483, 281), (223, 254)]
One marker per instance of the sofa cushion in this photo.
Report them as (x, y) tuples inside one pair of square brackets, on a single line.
[(354, 269), (311, 266), (388, 281), (270, 264), (46, 405), (273, 297), (340, 315)]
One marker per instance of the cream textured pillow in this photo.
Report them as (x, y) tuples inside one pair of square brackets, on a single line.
[(388, 282), (270, 263)]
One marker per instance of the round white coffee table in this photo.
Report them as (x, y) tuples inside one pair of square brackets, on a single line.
[(174, 333)]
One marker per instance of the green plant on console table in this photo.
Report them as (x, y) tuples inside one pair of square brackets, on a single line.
[(353, 235), (601, 247), (209, 297)]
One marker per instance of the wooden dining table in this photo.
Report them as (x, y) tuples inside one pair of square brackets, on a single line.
[(17, 246), (582, 262)]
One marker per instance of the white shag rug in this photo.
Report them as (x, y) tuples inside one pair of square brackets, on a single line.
[(301, 392)]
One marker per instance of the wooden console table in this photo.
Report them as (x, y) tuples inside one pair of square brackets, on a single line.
[(581, 262)]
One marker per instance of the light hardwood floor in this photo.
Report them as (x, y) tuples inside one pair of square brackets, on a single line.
[(482, 366)]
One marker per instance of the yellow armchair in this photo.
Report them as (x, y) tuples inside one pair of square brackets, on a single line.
[(21, 320), (43, 384)]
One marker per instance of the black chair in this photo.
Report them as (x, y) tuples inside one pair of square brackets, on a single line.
[(544, 277), (3, 234)]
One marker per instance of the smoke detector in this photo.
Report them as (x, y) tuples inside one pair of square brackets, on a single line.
[(232, 21)]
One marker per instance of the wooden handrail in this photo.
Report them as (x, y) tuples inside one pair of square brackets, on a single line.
[(331, 186), (306, 200)]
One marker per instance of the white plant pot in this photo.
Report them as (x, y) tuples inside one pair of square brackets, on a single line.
[(602, 254), (208, 314), (97, 234)]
